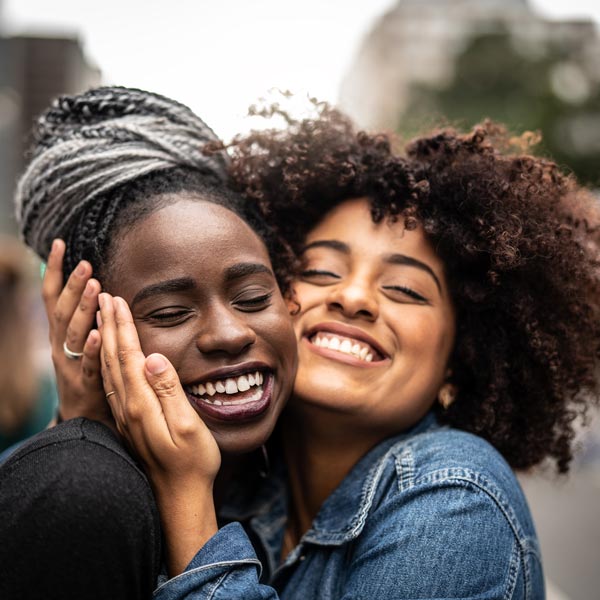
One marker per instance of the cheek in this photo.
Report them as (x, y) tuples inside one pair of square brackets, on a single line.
[(167, 341)]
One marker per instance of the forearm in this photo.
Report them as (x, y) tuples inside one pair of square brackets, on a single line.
[(188, 519)]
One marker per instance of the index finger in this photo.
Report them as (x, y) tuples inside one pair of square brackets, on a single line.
[(53, 277)]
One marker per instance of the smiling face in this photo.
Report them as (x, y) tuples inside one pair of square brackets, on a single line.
[(376, 324), (202, 292)]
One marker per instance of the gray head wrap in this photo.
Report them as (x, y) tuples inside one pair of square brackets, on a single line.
[(89, 144)]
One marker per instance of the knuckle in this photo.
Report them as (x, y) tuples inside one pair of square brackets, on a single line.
[(124, 356), (73, 335), (133, 412), (166, 387), (58, 316), (187, 428)]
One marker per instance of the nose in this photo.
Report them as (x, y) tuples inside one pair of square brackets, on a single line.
[(354, 298), (224, 331)]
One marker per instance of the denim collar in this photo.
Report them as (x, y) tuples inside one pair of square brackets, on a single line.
[(343, 514)]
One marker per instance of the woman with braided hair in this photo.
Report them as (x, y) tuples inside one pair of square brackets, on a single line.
[(120, 175), (448, 330)]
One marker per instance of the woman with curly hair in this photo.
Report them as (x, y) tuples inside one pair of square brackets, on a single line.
[(448, 321)]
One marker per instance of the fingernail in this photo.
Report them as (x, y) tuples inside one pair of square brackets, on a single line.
[(98, 318), (89, 289), (80, 270), (54, 246), (156, 364), (101, 298)]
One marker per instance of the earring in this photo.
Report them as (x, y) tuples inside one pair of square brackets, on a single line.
[(447, 395)]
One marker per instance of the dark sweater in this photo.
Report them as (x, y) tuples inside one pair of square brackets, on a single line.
[(77, 519)]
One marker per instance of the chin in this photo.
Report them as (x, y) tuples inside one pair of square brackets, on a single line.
[(244, 439)]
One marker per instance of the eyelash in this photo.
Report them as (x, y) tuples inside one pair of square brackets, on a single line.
[(256, 302), (407, 291), (317, 272), (165, 317)]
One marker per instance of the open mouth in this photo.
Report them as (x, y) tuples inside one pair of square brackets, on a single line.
[(231, 390), (243, 389), (236, 398), (356, 349)]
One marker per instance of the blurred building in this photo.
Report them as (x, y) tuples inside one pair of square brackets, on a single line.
[(463, 60), (33, 70), (418, 41)]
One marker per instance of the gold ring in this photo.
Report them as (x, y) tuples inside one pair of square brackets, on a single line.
[(110, 394), (70, 354)]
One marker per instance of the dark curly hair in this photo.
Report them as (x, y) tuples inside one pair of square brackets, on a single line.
[(519, 240)]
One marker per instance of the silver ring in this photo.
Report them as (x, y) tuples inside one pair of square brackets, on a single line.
[(110, 394), (70, 354)]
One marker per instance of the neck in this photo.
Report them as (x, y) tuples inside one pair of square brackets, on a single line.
[(320, 449)]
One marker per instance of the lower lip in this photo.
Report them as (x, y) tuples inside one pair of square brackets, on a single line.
[(347, 359), (236, 412)]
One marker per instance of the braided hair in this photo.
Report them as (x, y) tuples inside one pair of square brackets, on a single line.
[(105, 158)]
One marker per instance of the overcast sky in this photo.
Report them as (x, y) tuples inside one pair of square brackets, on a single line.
[(219, 56)]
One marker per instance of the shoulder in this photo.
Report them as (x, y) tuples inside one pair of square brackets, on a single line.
[(454, 468), (75, 507), (77, 464), (447, 501), (443, 455)]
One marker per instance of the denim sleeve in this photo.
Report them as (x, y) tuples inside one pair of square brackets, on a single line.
[(225, 568), (435, 540)]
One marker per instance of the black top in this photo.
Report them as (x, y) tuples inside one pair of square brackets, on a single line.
[(77, 519)]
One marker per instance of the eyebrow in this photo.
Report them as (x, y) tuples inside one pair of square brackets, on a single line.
[(393, 259), (181, 284), (244, 269)]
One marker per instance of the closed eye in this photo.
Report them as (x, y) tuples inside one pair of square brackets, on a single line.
[(170, 316), (406, 291), (319, 275), (254, 303)]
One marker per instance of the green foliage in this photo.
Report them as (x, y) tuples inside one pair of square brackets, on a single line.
[(542, 88)]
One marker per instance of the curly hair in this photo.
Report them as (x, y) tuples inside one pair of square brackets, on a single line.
[(520, 243)]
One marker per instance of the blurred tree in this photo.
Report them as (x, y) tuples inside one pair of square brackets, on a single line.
[(528, 85)]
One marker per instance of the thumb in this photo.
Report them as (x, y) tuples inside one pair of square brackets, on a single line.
[(161, 375)]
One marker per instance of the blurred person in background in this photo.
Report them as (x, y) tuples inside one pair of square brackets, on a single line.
[(29, 398)]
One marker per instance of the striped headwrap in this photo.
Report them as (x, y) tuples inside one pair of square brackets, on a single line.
[(88, 146)]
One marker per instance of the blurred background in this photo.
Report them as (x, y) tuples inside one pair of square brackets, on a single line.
[(399, 65)]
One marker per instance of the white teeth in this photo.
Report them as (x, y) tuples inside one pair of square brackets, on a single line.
[(344, 346), (334, 344), (218, 403), (231, 386), (242, 384)]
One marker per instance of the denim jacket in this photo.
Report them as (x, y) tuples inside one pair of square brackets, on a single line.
[(432, 513)]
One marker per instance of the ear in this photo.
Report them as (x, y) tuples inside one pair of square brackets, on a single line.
[(292, 302)]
